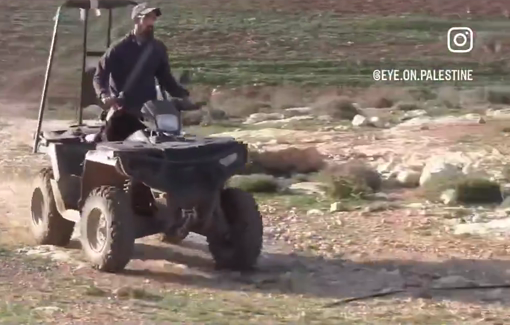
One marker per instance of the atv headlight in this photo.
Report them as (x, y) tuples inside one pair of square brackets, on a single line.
[(167, 122), (228, 160)]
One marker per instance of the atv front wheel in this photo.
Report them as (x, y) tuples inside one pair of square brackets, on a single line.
[(48, 226), (107, 231), (242, 247)]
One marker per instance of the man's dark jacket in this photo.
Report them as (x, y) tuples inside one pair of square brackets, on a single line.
[(120, 59)]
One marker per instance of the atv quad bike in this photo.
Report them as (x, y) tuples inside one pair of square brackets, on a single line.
[(158, 181)]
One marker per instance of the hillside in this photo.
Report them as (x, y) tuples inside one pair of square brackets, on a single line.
[(320, 43)]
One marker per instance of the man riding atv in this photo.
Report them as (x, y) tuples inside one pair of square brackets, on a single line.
[(125, 76)]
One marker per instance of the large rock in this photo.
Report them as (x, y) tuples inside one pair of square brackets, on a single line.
[(408, 178), (260, 117), (440, 169), (289, 159)]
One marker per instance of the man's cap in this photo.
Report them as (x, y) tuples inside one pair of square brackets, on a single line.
[(143, 9)]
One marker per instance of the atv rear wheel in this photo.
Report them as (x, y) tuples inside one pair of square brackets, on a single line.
[(47, 224), (107, 229), (241, 249)]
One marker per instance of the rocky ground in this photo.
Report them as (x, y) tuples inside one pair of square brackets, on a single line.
[(431, 259)]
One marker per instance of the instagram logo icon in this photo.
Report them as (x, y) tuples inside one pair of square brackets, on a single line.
[(460, 39)]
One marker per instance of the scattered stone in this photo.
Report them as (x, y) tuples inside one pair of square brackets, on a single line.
[(338, 207), (285, 120), (498, 114), (416, 205), (325, 118), (259, 117), (477, 218), (341, 128), (359, 120), (377, 207), (48, 310), (449, 197), (492, 227), (314, 212), (297, 111), (376, 121), (413, 114), (308, 188), (409, 178)]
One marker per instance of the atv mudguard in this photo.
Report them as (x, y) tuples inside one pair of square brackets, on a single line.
[(190, 171)]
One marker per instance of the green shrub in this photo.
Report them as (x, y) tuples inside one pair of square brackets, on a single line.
[(469, 190), (478, 190), (337, 107), (353, 179), (497, 95)]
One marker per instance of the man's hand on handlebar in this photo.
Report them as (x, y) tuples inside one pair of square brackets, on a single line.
[(185, 104), (111, 102)]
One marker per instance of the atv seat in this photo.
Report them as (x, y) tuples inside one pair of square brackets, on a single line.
[(73, 134)]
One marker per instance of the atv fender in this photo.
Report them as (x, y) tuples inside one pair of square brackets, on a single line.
[(100, 168), (65, 187), (65, 210)]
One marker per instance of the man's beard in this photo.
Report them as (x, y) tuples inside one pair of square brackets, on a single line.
[(148, 33)]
